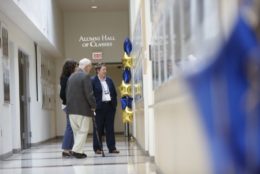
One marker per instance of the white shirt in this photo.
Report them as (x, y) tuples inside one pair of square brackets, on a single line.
[(63, 106), (105, 90)]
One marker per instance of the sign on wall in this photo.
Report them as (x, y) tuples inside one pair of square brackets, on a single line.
[(99, 41), (103, 32), (97, 55)]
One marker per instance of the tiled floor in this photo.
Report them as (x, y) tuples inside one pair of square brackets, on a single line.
[(46, 159)]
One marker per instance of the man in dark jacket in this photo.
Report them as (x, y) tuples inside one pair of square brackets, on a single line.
[(81, 104), (106, 99)]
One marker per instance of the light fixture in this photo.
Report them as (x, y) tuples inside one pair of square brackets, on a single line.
[(94, 6)]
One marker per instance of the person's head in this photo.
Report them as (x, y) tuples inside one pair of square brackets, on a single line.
[(85, 64), (101, 70), (68, 68)]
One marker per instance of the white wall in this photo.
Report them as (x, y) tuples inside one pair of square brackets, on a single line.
[(10, 120), (42, 121), (139, 121), (47, 17), (180, 142), (95, 24)]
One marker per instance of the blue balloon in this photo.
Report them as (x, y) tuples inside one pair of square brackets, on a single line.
[(127, 75), (123, 102), (129, 102), (221, 92), (126, 102), (127, 46)]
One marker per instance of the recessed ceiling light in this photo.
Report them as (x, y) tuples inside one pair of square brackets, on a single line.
[(94, 6)]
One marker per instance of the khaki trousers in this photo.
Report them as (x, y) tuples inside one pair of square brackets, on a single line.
[(80, 127)]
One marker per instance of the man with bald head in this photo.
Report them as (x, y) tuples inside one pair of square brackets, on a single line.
[(81, 104)]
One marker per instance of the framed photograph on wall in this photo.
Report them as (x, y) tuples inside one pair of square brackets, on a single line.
[(5, 64), (177, 32), (168, 43), (6, 79), (5, 41)]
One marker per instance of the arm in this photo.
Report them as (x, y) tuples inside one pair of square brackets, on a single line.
[(114, 97), (63, 84), (88, 90)]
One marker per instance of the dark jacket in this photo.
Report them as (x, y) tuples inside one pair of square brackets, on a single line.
[(63, 84), (80, 96), (97, 87)]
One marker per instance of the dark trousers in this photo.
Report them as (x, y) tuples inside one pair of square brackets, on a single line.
[(105, 117), (68, 139)]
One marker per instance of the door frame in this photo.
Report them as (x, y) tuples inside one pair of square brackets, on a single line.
[(24, 99)]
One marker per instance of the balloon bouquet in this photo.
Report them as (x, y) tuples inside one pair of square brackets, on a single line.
[(125, 87)]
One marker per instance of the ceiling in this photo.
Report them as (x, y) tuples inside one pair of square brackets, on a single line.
[(85, 5)]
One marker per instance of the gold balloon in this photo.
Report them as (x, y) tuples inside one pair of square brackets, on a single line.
[(127, 61), (125, 89), (127, 115), (138, 89)]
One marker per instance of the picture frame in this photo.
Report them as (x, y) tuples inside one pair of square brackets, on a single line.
[(47, 82), (5, 63)]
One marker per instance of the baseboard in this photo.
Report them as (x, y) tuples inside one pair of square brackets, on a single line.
[(6, 155), (17, 150), (152, 158), (44, 141), (143, 150), (119, 133), (158, 170)]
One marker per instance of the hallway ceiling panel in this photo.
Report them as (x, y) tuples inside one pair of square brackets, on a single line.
[(85, 5)]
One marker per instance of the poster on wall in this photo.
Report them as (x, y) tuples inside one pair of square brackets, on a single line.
[(47, 82), (6, 67), (138, 80), (169, 45), (5, 41), (43, 96)]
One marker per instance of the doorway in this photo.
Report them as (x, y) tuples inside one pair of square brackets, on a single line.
[(24, 95), (114, 70)]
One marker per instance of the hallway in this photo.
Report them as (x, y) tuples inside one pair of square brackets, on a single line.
[(185, 74), (46, 158)]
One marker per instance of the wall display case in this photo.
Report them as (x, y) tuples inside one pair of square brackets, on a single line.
[(48, 81), (177, 32), (138, 81), (182, 31), (5, 41), (161, 50), (5, 62), (169, 45), (137, 69)]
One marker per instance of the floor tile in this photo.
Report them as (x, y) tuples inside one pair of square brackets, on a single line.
[(46, 159)]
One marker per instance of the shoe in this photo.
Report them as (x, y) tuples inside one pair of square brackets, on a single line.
[(98, 151), (79, 155), (114, 151), (66, 154)]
